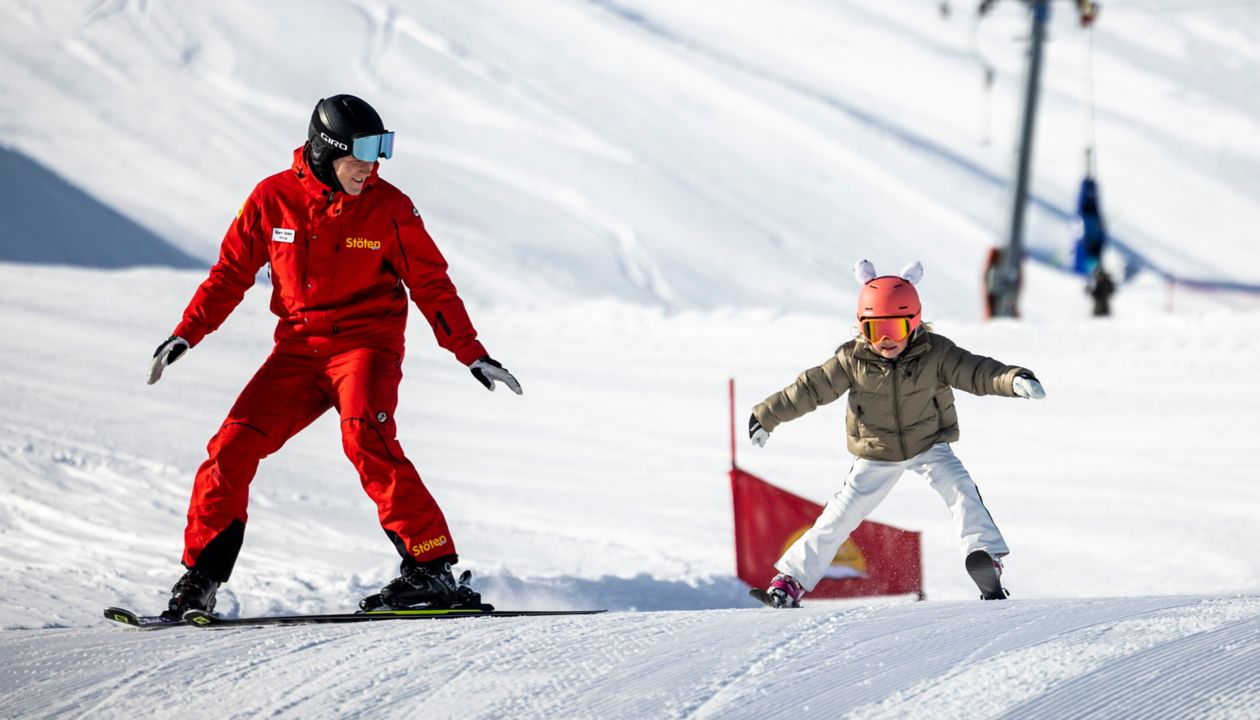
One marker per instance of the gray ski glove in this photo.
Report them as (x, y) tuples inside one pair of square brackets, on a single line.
[(756, 433), (167, 353), (1026, 386), (486, 369)]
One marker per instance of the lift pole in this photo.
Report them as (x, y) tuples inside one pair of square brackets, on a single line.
[(1007, 279)]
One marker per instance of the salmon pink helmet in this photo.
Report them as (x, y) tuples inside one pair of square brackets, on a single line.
[(888, 305)]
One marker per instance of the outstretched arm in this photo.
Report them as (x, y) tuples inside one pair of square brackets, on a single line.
[(816, 386), (417, 259), (241, 255), (980, 375)]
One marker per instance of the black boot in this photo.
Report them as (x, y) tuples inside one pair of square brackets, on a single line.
[(425, 585), (986, 571), (194, 591)]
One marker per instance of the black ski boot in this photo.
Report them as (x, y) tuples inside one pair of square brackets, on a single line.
[(986, 570), (194, 591), (427, 585)]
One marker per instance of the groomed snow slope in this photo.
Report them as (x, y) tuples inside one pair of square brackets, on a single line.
[(603, 486), (1142, 657), (641, 200)]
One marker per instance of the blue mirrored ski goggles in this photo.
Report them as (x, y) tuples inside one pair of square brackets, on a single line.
[(370, 147)]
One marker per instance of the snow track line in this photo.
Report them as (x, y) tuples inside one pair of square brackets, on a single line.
[(118, 690), (758, 664), (879, 651), (1196, 671)]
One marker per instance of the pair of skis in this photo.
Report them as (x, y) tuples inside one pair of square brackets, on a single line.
[(201, 619), (981, 566)]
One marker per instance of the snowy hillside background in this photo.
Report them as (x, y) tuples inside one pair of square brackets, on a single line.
[(639, 200)]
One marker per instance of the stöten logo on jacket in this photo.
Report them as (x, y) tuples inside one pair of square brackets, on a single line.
[(358, 243)]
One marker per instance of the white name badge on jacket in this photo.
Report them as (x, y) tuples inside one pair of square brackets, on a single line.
[(283, 235)]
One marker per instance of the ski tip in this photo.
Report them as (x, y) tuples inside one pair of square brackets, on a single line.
[(126, 617), (761, 596), (764, 598), (121, 615)]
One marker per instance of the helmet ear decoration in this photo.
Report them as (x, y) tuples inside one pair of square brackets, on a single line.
[(864, 271), (912, 273)]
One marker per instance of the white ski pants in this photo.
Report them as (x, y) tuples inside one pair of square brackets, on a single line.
[(869, 481)]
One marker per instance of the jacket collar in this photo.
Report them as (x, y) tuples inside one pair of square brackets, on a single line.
[(919, 345), (319, 190)]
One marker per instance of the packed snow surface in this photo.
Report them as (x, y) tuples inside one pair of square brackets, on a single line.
[(639, 200), (1137, 657), (1127, 496)]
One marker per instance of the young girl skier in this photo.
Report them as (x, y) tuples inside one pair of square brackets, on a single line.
[(899, 376)]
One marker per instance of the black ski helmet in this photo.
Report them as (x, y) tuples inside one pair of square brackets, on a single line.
[(334, 124)]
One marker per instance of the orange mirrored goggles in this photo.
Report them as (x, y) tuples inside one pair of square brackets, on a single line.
[(897, 328)]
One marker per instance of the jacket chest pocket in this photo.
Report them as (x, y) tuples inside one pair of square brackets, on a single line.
[(322, 251), (853, 418), (284, 248)]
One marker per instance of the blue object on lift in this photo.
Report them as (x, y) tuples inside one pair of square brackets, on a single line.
[(1091, 232)]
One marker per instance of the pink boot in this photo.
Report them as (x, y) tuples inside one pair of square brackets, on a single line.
[(785, 591)]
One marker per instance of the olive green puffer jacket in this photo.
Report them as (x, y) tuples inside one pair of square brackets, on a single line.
[(897, 408)]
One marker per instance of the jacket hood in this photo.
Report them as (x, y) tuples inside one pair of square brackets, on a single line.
[(321, 189), (919, 344)]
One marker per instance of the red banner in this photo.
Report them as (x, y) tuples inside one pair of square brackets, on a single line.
[(876, 559)]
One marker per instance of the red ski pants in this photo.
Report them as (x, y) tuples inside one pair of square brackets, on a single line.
[(286, 394)]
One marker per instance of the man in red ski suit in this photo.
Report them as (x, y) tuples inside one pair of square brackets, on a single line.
[(344, 248)]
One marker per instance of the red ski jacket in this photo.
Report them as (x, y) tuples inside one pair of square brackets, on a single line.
[(339, 264)]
